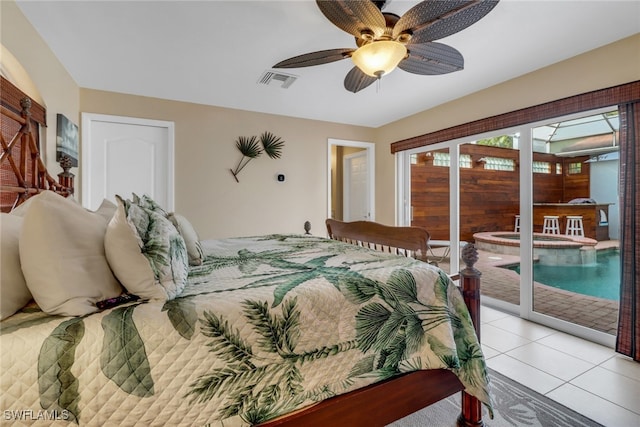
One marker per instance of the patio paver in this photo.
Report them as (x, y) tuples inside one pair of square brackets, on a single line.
[(504, 284)]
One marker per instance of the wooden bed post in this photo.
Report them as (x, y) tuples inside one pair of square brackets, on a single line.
[(24, 173), (471, 414), (65, 178)]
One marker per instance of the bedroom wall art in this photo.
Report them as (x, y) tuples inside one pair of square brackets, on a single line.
[(252, 147), (66, 141)]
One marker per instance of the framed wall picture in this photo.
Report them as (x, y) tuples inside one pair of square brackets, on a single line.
[(66, 140)]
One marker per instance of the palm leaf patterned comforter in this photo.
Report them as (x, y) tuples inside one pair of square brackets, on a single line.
[(266, 325)]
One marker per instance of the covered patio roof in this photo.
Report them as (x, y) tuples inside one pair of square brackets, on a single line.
[(593, 134)]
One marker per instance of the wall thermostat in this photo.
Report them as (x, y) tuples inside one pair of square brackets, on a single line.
[(280, 177)]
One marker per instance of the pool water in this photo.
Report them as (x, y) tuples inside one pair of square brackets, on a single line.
[(601, 280)]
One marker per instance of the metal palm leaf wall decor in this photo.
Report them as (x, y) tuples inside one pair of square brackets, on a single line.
[(252, 147)]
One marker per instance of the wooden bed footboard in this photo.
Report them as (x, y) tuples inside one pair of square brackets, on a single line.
[(406, 241), (23, 172), (382, 403)]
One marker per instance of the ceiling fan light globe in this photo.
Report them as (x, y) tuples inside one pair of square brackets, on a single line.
[(379, 58)]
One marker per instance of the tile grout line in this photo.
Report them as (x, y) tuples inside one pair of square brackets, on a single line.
[(564, 382)]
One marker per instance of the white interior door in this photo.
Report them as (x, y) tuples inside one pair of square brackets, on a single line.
[(124, 155), (356, 187), (334, 163)]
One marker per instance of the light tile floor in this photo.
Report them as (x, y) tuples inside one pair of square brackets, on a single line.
[(589, 378)]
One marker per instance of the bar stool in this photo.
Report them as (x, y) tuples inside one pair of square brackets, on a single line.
[(551, 224), (516, 227), (574, 226)]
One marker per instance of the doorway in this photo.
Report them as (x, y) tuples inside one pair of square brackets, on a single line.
[(124, 155), (355, 194), (351, 182)]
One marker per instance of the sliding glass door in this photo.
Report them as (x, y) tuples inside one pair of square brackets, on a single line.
[(468, 191), (540, 203), (430, 201), (576, 255)]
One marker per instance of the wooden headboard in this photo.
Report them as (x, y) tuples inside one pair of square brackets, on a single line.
[(407, 241), (22, 171)]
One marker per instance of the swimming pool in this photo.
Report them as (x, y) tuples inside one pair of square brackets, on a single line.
[(557, 250), (600, 280)]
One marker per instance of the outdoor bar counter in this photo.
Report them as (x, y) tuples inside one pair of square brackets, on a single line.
[(594, 217)]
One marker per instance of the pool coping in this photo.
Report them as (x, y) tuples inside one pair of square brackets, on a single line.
[(563, 242)]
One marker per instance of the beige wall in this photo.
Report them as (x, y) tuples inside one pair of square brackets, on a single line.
[(207, 193), (607, 66), (53, 83)]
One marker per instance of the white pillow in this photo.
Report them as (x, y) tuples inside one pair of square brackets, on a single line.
[(106, 210), (14, 293), (146, 252), (191, 239), (62, 256), (21, 209)]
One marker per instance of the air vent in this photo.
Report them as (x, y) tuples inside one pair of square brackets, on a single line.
[(269, 77)]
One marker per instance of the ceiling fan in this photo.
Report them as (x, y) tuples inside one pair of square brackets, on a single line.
[(386, 41)]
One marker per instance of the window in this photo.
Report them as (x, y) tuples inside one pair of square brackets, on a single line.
[(465, 161), (497, 163), (541, 167), (443, 159), (575, 168)]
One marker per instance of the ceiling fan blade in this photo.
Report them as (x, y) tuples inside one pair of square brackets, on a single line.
[(435, 19), (356, 17), (315, 58), (356, 80), (432, 59)]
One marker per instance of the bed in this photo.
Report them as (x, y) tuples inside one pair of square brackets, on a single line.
[(150, 326)]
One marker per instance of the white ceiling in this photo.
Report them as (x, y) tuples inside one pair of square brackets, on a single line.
[(214, 52)]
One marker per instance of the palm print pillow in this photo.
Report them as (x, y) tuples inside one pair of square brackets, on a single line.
[(146, 252)]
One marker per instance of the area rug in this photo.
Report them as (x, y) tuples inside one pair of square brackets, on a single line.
[(514, 405)]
